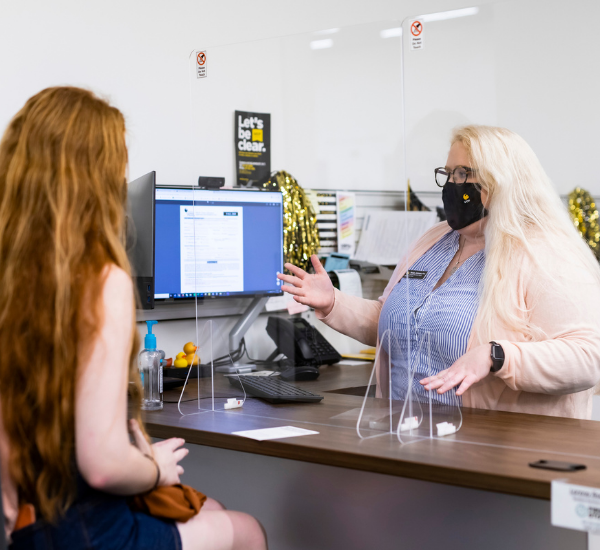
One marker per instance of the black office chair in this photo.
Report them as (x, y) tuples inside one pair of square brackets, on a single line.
[(2, 535)]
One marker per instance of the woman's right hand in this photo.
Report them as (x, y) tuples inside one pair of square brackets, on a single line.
[(315, 291), (167, 454)]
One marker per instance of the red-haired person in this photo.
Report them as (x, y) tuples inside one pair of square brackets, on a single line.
[(69, 342)]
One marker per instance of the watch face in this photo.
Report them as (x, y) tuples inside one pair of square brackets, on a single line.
[(497, 351), (497, 355)]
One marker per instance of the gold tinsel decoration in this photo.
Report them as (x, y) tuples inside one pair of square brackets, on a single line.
[(300, 234), (585, 217)]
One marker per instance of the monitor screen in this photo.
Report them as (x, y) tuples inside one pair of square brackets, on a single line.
[(238, 236)]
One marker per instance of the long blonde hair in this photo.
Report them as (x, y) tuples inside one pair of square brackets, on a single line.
[(526, 217), (62, 165)]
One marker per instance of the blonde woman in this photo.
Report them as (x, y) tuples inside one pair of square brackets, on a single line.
[(510, 293), (67, 331)]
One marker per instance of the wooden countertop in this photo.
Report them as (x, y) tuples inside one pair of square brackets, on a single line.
[(491, 451)]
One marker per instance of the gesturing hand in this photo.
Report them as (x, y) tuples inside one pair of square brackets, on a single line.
[(167, 454), (315, 291), (472, 367)]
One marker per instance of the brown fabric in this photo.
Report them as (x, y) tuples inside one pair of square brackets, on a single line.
[(25, 517), (176, 502)]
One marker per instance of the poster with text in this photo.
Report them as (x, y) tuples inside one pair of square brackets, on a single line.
[(252, 147)]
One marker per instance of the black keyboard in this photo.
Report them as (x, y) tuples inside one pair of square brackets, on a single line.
[(273, 390)]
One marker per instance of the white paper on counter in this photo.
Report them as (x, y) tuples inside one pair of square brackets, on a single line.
[(349, 281), (387, 235), (274, 433)]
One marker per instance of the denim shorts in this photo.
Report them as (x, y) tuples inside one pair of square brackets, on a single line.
[(98, 521)]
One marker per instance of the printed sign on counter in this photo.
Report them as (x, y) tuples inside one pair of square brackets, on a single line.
[(575, 507)]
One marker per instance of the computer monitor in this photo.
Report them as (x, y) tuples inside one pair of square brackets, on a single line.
[(238, 236), (140, 236)]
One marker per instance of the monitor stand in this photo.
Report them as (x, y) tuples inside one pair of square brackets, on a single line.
[(237, 334)]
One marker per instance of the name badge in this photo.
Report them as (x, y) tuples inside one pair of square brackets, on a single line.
[(413, 274)]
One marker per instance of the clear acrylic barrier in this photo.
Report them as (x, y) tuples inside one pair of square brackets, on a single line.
[(334, 103), (498, 64), (197, 397), (196, 236), (344, 116), (402, 405), (393, 407)]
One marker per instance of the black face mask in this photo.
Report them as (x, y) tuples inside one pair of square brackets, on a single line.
[(462, 204)]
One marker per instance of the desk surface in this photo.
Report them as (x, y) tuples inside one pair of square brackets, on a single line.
[(491, 451)]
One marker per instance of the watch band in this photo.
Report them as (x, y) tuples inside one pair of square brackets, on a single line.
[(497, 355)]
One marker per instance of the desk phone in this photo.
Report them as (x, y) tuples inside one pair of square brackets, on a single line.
[(301, 343)]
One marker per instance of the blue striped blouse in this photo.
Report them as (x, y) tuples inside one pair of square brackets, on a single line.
[(436, 332)]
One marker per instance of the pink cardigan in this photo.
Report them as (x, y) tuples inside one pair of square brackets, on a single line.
[(554, 377)]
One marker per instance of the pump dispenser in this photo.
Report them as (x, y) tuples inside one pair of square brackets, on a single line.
[(151, 372)]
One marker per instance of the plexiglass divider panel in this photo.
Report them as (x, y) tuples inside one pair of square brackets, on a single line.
[(466, 67), (434, 103), (352, 110), (197, 394), (389, 405), (334, 105), (397, 403)]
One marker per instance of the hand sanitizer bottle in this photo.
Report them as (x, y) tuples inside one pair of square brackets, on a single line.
[(151, 372)]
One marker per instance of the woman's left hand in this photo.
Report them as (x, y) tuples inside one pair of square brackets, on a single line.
[(472, 367)]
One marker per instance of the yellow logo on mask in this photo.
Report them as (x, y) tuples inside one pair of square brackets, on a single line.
[(466, 197)]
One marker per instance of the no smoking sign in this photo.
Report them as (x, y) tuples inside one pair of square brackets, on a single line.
[(201, 64), (416, 34)]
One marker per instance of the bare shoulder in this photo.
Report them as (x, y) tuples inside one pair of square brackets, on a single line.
[(117, 297), (117, 287)]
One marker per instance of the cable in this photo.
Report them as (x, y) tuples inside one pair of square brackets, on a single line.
[(231, 357), (279, 364)]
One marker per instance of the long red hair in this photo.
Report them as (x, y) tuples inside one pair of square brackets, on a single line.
[(62, 192)]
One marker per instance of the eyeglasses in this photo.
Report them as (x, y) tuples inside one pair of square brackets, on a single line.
[(459, 175)]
